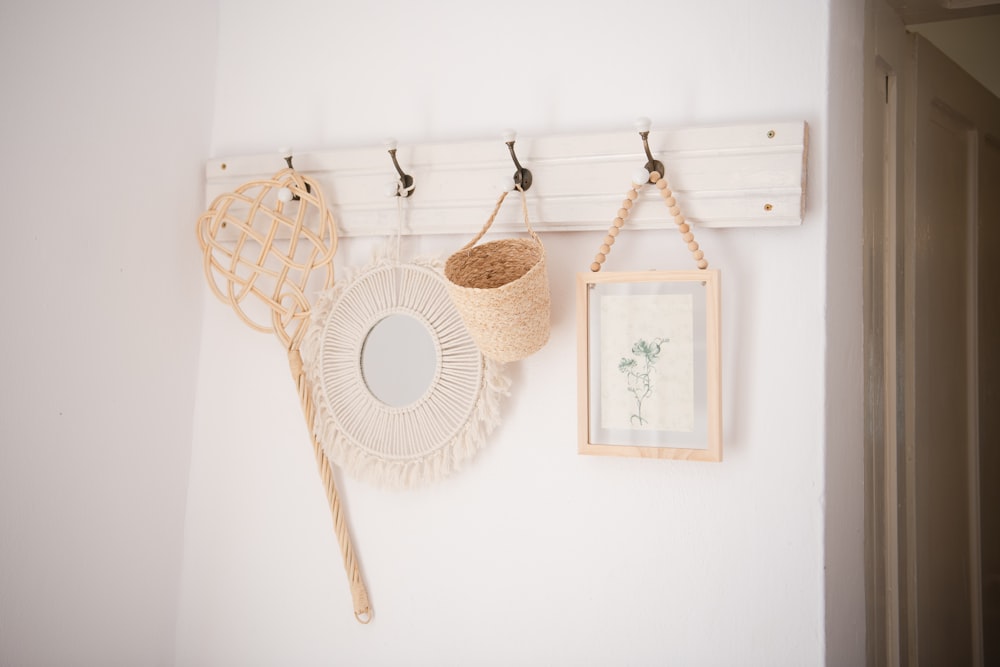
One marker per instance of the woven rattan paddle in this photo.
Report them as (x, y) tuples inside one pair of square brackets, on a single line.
[(262, 243)]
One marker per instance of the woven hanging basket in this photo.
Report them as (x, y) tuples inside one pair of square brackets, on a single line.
[(501, 290)]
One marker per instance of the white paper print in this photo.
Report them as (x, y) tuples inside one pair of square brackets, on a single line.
[(647, 362)]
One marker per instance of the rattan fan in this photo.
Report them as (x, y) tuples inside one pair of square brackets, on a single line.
[(262, 243)]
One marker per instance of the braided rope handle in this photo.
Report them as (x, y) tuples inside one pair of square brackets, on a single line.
[(493, 216), (668, 198), (359, 593)]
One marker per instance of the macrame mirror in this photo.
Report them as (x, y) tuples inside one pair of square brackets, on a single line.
[(403, 395)]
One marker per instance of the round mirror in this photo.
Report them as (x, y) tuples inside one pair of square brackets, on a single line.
[(398, 360), (402, 394)]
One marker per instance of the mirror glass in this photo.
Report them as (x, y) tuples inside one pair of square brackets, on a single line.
[(398, 360)]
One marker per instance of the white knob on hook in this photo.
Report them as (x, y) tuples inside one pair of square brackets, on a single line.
[(640, 176), (285, 152), (506, 184), (389, 143), (392, 188), (642, 124), (508, 135), (285, 194)]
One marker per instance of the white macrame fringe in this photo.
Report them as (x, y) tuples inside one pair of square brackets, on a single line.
[(358, 461)]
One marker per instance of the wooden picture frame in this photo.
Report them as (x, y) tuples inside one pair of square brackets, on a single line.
[(649, 368)]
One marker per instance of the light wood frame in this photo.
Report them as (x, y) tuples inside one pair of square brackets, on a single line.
[(688, 424)]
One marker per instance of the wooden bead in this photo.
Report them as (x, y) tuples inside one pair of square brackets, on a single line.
[(632, 194), (605, 249), (693, 246), (688, 237), (595, 267), (698, 254), (618, 222), (599, 258), (684, 228), (662, 183), (626, 204), (679, 219), (675, 210), (669, 201), (654, 176), (623, 213), (609, 240), (666, 192), (614, 231), (702, 264)]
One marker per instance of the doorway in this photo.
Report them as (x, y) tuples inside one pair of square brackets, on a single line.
[(932, 209)]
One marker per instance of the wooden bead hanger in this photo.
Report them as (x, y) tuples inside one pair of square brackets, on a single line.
[(652, 172)]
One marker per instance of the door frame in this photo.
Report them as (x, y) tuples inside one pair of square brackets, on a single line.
[(890, 103), (884, 344)]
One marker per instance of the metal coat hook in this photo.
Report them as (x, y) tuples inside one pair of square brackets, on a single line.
[(643, 125), (286, 153), (522, 177), (405, 186)]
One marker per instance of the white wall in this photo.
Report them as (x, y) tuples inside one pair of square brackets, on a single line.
[(533, 554), (105, 124)]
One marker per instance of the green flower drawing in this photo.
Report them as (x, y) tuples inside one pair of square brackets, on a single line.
[(637, 369)]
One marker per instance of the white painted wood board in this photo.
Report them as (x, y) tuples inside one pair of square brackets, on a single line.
[(723, 176)]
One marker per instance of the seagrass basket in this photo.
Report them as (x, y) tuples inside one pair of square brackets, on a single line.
[(501, 291)]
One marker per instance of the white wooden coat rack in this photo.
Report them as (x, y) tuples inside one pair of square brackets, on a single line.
[(723, 176)]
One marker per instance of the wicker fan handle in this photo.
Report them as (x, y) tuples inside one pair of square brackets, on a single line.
[(493, 216), (359, 593)]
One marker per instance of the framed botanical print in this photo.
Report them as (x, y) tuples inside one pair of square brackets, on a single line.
[(649, 372)]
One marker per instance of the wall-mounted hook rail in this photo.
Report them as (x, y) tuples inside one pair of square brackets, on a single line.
[(405, 186), (522, 177), (286, 153), (642, 125), (733, 176)]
